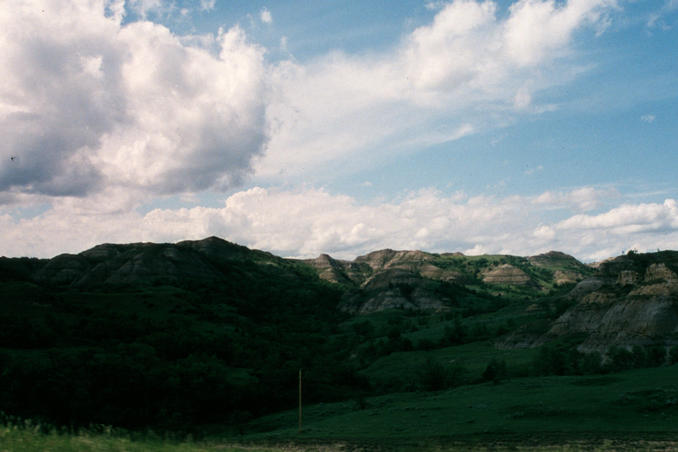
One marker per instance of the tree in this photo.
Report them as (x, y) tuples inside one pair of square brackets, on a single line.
[(435, 376), (495, 371)]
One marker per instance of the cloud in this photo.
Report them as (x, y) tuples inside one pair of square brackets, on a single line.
[(102, 115), (544, 232), (115, 9), (307, 222), (434, 6), (470, 67), (656, 18), (648, 118), (580, 199), (645, 227), (531, 171), (523, 98), (265, 16), (144, 7), (87, 103), (536, 29), (292, 223), (207, 5), (631, 218)]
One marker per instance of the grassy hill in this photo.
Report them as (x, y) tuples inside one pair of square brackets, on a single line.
[(140, 346), (635, 401), (207, 338)]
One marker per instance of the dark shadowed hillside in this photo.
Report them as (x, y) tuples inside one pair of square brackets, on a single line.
[(189, 263), (169, 334), (632, 300), (197, 333)]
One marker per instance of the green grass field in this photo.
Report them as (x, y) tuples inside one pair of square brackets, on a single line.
[(635, 405), (631, 410)]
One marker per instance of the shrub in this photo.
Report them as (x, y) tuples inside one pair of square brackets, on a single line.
[(426, 344), (455, 333), (360, 403), (364, 328), (620, 359), (435, 376), (495, 371), (590, 363), (550, 361), (673, 354), (479, 331), (655, 356)]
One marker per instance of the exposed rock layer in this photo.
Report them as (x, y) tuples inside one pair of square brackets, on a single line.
[(389, 279), (633, 300), (506, 274)]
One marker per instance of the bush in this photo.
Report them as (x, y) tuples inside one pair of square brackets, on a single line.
[(360, 403), (559, 307), (365, 329), (426, 344), (495, 371), (501, 330), (637, 357), (479, 331), (551, 360), (454, 334), (435, 376), (655, 356), (590, 363), (619, 359), (673, 354)]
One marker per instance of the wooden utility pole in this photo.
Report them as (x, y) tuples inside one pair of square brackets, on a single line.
[(299, 400)]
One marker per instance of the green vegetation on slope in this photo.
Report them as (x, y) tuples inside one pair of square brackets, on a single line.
[(170, 356), (636, 401), (209, 337)]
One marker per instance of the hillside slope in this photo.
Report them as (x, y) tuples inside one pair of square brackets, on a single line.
[(137, 264), (207, 331), (164, 334), (416, 280), (632, 300)]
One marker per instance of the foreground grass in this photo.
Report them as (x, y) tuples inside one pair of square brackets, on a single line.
[(19, 439), (633, 410), (29, 438)]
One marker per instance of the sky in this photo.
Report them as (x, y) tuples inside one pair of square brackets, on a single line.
[(301, 128)]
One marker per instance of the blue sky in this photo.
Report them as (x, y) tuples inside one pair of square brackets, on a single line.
[(340, 127)]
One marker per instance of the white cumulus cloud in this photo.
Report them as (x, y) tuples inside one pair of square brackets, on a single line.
[(579, 199), (629, 218), (207, 5), (307, 222), (265, 16), (88, 102)]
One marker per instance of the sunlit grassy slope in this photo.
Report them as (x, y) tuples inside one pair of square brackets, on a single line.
[(638, 401)]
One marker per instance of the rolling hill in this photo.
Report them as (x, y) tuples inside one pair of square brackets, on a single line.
[(199, 333)]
